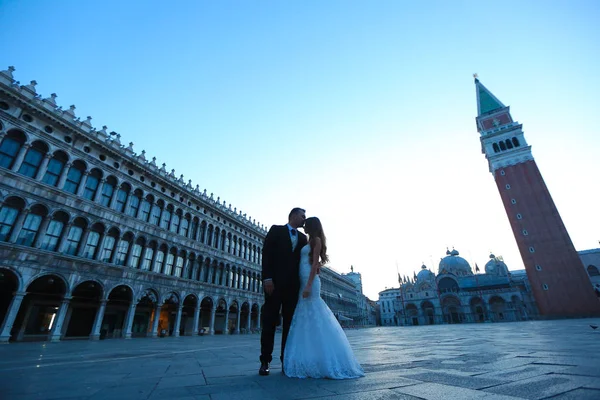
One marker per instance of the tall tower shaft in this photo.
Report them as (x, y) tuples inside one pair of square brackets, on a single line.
[(558, 279)]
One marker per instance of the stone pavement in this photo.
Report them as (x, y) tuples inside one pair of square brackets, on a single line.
[(532, 360)]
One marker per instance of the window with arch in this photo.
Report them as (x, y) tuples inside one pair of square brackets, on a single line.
[(166, 217), (55, 168), (203, 229), (54, 231), (148, 254), (74, 176), (108, 189), (33, 159), (160, 260), (178, 266), (31, 226), (496, 148), (145, 208), (175, 221), (515, 142), (509, 144), (9, 211), (194, 228), (185, 223), (108, 245), (502, 146), (134, 203), (210, 235), (136, 253), (168, 270), (74, 236), (123, 248), (592, 270), (121, 199), (157, 210), (92, 242), (91, 184), (10, 146)]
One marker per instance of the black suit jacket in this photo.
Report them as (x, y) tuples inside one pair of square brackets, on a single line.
[(279, 262)]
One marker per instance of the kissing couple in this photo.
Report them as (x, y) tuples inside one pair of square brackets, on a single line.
[(313, 344)]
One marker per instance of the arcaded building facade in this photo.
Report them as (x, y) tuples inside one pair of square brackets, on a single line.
[(458, 295), (96, 240)]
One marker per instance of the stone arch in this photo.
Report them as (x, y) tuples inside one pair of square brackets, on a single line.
[(497, 305), (219, 326), (190, 304), (43, 310), (428, 312), (85, 302), (206, 307), (478, 309), (448, 284), (452, 309), (592, 270)]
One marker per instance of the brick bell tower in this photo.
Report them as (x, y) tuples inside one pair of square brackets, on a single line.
[(558, 279)]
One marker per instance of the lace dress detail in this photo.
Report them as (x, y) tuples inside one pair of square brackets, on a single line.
[(317, 346)]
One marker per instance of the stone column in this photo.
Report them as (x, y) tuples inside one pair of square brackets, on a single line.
[(237, 321), (213, 311), (258, 320), (84, 238), (9, 319), (43, 166), (153, 261), (113, 196), (42, 231), (56, 333), (226, 328), (196, 319), (127, 261), (63, 176), (98, 320), (249, 320), (63, 238), (100, 247), (154, 332), (186, 266), (210, 273), (82, 183), (127, 200), (178, 320), (129, 319), (18, 226), (20, 157), (99, 191)]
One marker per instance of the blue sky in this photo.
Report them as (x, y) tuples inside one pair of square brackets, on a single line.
[(362, 112)]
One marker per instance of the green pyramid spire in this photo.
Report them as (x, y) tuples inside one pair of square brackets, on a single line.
[(486, 101)]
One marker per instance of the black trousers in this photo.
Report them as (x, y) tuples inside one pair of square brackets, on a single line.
[(284, 299)]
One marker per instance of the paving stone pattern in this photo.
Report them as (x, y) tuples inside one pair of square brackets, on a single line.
[(520, 360)]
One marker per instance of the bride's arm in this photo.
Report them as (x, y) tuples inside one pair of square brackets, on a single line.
[(316, 252)]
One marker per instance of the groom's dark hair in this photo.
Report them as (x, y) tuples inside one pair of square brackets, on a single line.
[(296, 210)]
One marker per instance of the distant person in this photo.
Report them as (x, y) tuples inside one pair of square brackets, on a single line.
[(317, 346), (281, 282)]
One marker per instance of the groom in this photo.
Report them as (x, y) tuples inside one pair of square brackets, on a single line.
[(281, 283)]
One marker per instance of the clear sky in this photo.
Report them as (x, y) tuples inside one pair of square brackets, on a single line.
[(363, 112)]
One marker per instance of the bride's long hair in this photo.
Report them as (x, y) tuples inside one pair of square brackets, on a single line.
[(314, 229)]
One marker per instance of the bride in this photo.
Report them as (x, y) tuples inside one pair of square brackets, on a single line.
[(317, 346)]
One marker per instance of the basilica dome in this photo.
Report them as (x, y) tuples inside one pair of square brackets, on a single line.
[(454, 264), (424, 274), (496, 267)]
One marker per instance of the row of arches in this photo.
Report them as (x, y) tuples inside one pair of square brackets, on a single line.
[(507, 144), (59, 231), (47, 309), (451, 310), (55, 168)]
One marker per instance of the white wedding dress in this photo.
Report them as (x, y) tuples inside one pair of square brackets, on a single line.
[(317, 346)]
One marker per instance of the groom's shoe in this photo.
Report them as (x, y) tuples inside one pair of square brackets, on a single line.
[(264, 369)]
